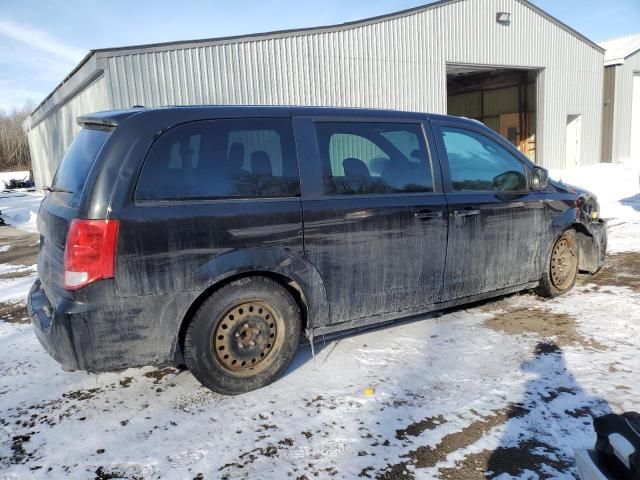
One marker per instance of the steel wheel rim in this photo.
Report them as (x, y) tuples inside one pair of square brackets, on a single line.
[(564, 263), (247, 337)]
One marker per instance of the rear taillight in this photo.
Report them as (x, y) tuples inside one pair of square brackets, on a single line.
[(90, 253)]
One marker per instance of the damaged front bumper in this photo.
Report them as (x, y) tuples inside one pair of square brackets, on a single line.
[(592, 246)]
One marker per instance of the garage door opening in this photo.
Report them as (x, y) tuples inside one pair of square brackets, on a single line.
[(503, 99)]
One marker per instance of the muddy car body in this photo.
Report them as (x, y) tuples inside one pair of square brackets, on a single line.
[(219, 236)]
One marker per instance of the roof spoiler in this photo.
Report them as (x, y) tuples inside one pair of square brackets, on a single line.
[(109, 119)]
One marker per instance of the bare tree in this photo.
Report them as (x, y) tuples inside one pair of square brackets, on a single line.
[(14, 148)]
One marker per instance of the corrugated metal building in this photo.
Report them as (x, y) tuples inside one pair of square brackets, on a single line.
[(505, 62), (621, 116)]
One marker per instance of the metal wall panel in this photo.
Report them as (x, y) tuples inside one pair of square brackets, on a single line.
[(49, 139), (621, 132), (394, 62), (397, 63), (608, 102)]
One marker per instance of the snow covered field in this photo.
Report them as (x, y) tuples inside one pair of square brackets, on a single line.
[(507, 386)]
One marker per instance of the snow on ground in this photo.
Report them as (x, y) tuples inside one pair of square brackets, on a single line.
[(506, 386), (617, 187), (6, 177), (20, 209)]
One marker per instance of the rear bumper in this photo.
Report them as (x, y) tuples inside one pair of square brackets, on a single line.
[(107, 332), (55, 337)]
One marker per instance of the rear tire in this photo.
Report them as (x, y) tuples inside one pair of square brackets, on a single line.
[(561, 268), (243, 336)]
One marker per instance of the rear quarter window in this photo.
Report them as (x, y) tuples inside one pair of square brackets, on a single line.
[(244, 158), (74, 168)]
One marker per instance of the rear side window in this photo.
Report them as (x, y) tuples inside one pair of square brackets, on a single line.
[(373, 158), (222, 158), (74, 168)]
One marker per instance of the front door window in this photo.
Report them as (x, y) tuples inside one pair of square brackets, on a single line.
[(477, 163)]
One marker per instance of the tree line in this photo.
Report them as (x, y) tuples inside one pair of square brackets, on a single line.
[(14, 148)]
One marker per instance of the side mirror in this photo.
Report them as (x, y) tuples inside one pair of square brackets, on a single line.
[(539, 178)]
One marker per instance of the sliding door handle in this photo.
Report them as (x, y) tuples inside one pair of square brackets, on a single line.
[(427, 214), (466, 212)]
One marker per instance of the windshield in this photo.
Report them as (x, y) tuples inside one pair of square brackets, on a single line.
[(74, 168)]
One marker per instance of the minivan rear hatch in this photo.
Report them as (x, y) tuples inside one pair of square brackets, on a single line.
[(61, 205)]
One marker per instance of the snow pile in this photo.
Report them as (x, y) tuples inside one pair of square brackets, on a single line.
[(618, 189), (20, 209), (6, 177), (616, 185)]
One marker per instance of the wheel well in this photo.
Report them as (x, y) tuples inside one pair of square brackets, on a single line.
[(578, 227), (291, 286)]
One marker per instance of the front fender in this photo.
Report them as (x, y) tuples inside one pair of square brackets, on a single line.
[(275, 260), (564, 221), (591, 238)]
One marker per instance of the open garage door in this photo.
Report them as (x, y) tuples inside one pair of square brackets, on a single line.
[(501, 98)]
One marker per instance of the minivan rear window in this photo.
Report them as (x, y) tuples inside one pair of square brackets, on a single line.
[(225, 158), (74, 168)]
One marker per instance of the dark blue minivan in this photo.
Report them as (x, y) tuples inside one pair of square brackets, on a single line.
[(217, 237)]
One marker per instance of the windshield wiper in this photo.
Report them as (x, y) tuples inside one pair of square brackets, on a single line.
[(56, 189)]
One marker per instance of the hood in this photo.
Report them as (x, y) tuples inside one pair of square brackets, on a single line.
[(586, 201)]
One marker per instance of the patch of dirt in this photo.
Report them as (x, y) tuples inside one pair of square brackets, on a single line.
[(18, 452), (364, 473), (417, 428), (199, 400), (619, 270), (125, 382), (159, 374), (17, 274), (249, 457), (398, 471), (511, 461), (124, 471), (23, 246), (23, 251), (81, 395), (427, 456), (424, 457), (543, 323), (14, 312), (579, 412)]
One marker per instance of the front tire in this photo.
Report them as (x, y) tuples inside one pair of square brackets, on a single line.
[(561, 268), (243, 336)]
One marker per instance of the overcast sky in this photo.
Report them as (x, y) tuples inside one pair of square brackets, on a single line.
[(41, 41)]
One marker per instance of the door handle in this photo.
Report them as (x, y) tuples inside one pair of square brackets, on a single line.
[(467, 212), (427, 214)]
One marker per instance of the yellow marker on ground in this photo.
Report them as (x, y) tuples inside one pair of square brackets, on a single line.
[(368, 392)]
